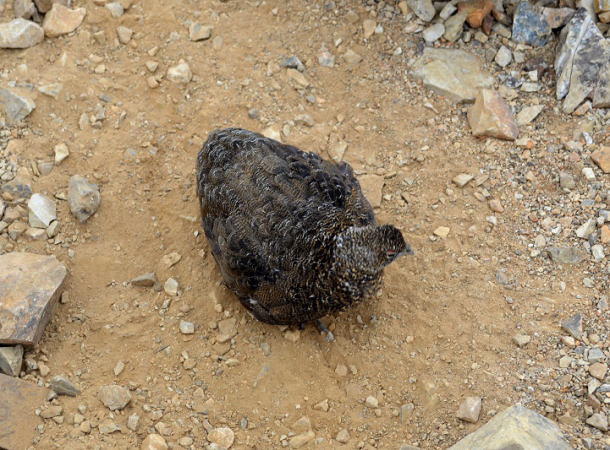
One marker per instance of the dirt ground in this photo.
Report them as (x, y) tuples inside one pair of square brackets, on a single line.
[(442, 327)]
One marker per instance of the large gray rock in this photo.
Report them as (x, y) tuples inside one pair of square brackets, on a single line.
[(582, 64), (83, 197), (14, 106), (24, 9), (529, 25), (20, 33), (424, 9), (30, 286), (454, 74), (515, 428)]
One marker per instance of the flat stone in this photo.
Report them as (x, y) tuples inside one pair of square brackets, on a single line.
[(300, 440), (454, 26), (61, 20), (61, 153), (18, 402), (442, 232), (297, 77), (351, 57), (515, 428), (83, 198), (145, 280), (180, 73), (20, 33), (433, 32), (528, 114), (601, 157), (454, 74), (582, 64), (598, 370), (302, 425), (114, 397), (424, 9), (154, 442), (557, 17), (51, 411), (30, 286), (14, 106), (115, 8), (342, 436), (171, 259), (107, 426), (223, 437), (337, 150), (372, 187), (124, 34), (529, 26), (470, 409), (186, 327), (521, 340), (368, 28), (228, 327), (198, 32), (599, 421), (448, 10), (62, 386), (11, 359), (573, 326), (503, 57), (42, 211), (133, 421), (566, 255), (491, 116), (586, 229), (462, 179)]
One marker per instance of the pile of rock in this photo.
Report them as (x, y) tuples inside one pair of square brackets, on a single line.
[(36, 19)]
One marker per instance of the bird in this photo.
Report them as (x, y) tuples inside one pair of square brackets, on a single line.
[(293, 235)]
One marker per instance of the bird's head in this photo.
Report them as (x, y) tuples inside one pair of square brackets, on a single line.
[(370, 248)]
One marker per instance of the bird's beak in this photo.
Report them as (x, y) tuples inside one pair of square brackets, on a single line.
[(408, 250)]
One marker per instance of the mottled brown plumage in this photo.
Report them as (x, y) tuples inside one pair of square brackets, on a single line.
[(293, 235)]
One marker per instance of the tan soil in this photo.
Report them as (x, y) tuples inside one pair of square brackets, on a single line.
[(441, 329)]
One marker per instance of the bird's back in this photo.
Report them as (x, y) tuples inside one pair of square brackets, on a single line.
[(270, 213)]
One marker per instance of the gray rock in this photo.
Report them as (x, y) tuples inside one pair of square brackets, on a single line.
[(11, 359), (573, 326), (145, 280), (566, 180), (586, 229), (62, 386), (503, 57), (529, 26), (433, 32), (20, 33), (599, 421), (15, 107), (424, 9), (114, 397), (595, 355), (566, 255), (582, 64), (24, 9), (455, 74), (598, 252), (186, 327), (455, 25), (133, 421), (198, 32), (470, 409), (292, 62), (516, 428), (115, 8), (83, 197), (42, 211)]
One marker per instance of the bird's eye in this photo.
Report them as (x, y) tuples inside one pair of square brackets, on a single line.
[(391, 253)]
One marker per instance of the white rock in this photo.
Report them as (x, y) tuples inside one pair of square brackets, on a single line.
[(42, 211), (20, 33), (433, 32), (124, 34), (180, 73), (198, 32), (503, 57), (187, 327), (61, 153), (588, 173), (115, 8)]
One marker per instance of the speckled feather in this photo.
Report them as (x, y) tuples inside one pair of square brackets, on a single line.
[(272, 215)]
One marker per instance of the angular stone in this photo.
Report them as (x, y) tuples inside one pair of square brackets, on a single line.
[(18, 402), (566, 255), (300, 440), (180, 73), (14, 106), (351, 57), (528, 114), (11, 359), (586, 229), (223, 437), (61, 153), (83, 198), (297, 77), (124, 34), (529, 26), (424, 9), (557, 17), (515, 428), (337, 150), (442, 232), (23, 9), (114, 397), (61, 20), (145, 280), (595, 355), (154, 442), (368, 28), (462, 179), (454, 26), (171, 287), (601, 157), (433, 32), (454, 74), (582, 64), (470, 409), (599, 421), (42, 211), (491, 116), (20, 33), (198, 32), (598, 370), (45, 5), (30, 286), (372, 187), (62, 386), (521, 340), (503, 56), (476, 11), (186, 327), (107, 426), (573, 326)]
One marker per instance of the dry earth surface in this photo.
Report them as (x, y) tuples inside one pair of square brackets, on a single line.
[(441, 329)]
